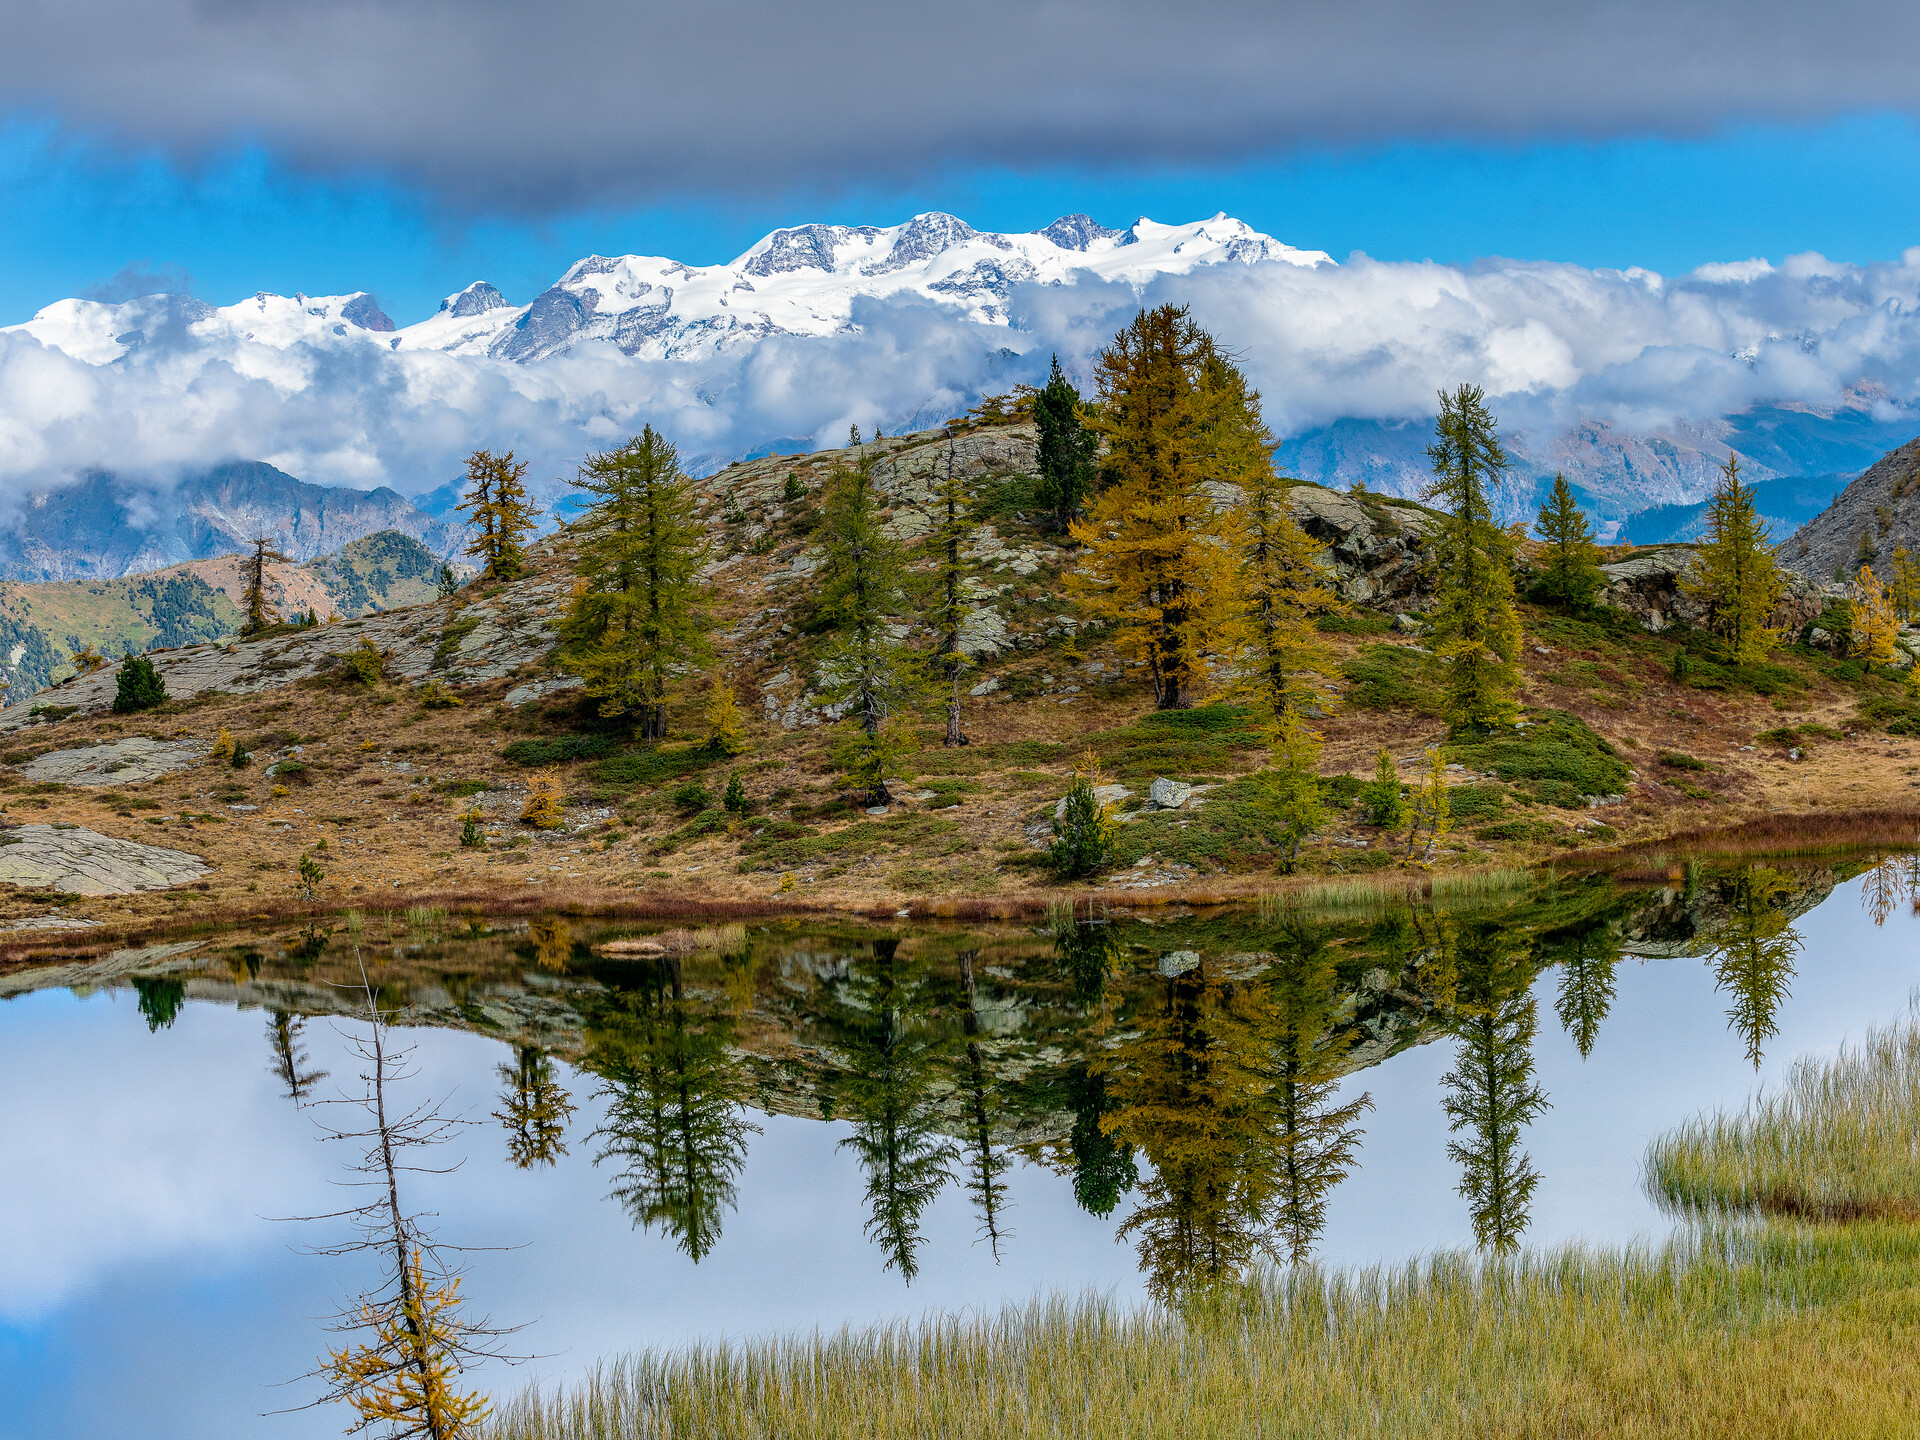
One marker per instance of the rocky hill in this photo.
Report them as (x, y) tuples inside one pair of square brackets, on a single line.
[(1648, 729), (103, 527), (1881, 507)]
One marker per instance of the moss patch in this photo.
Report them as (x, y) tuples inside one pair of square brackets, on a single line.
[(1557, 759)]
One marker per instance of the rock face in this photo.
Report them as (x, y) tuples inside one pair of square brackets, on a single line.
[(1648, 587), (125, 762), (1377, 547), (1169, 794), (82, 862), (1883, 505)]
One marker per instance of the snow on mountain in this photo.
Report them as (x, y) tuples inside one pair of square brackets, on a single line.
[(802, 281)]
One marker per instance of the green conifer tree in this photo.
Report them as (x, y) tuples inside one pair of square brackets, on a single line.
[(1385, 805), (1475, 628), (953, 528), (863, 668), (500, 511), (1572, 573), (636, 622), (1737, 577), (1065, 450)]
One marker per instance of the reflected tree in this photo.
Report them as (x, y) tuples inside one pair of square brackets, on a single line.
[(1587, 960), (552, 943), (674, 1125), (1191, 1095), (534, 1108), (1102, 1166), (286, 1034), (1754, 955), (1315, 1137), (1087, 950), (1888, 883), (893, 1049), (1490, 1095), (160, 998), (984, 1165)]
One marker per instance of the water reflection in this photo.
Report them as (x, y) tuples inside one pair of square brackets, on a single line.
[(676, 1129), (1198, 1082)]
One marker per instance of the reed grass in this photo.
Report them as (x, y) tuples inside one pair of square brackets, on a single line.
[(1839, 1140), (1732, 1334)]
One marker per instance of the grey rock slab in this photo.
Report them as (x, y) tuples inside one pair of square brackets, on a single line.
[(1178, 962), (83, 862), (1105, 794), (1169, 794), (88, 974), (124, 762)]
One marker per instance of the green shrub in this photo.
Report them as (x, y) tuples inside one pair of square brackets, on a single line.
[(690, 799), (1676, 760), (1896, 714), (365, 664), (1240, 826), (735, 801), (1358, 623), (1186, 743), (557, 749), (1558, 758), (1391, 677), (926, 834), (652, 767), (1083, 834), (1468, 802), (140, 687)]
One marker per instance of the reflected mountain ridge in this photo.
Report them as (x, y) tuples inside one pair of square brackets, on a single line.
[(1191, 1077)]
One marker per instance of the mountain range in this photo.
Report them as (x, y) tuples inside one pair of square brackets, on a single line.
[(103, 526), (802, 281)]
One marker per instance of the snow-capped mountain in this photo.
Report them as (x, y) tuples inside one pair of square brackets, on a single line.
[(803, 281)]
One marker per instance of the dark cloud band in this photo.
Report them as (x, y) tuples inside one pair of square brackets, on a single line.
[(499, 105)]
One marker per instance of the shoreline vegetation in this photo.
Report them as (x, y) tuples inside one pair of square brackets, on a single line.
[(1754, 1321), (1648, 862)]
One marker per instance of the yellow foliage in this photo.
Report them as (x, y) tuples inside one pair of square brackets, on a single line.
[(223, 745), (1432, 810), (366, 745), (87, 659), (1874, 623), (406, 1375), (726, 733), (543, 809)]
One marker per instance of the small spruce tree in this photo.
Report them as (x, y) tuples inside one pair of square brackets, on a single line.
[(1572, 572), (140, 686), (1083, 832), (1381, 796), (1065, 450), (735, 801), (1294, 780)]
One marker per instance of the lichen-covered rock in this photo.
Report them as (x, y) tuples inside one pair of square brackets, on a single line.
[(1377, 548), (1169, 794), (82, 862), (124, 762), (1650, 586)]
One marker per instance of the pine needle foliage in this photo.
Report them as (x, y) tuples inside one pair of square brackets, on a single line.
[(953, 528), (87, 659), (862, 667), (139, 686), (500, 512), (636, 620), (254, 600), (1385, 806), (1875, 623), (726, 731), (1432, 809), (1293, 778), (1157, 567), (1737, 578), (1904, 583), (1572, 571), (1084, 832), (543, 808), (1475, 628), (1065, 449)]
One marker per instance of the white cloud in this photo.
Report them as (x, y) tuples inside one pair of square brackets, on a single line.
[(1553, 344)]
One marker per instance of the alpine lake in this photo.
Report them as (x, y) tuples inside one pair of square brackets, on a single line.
[(667, 1134)]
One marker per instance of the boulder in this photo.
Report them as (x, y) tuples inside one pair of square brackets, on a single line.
[(1648, 586), (1178, 962), (1376, 546), (1169, 794)]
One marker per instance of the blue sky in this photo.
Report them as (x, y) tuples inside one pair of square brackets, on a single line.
[(79, 214)]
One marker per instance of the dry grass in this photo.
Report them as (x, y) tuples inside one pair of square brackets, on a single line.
[(1783, 1334), (1727, 1333), (1840, 1140), (1816, 832)]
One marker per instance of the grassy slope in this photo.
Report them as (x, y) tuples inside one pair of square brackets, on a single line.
[(1781, 1330)]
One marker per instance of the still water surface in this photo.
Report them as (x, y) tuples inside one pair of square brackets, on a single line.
[(801, 1124)]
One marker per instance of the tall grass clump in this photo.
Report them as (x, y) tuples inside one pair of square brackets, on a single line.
[(1840, 1140), (1736, 1336)]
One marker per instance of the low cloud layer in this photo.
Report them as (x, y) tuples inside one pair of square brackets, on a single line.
[(502, 106), (1553, 344)]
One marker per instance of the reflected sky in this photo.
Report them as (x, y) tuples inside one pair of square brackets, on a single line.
[(145, 1288)]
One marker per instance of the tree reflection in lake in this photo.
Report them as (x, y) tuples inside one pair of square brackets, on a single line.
[(984, 1164), (674, 1126), (884, 1020), (1489, 1096), (1315, 1137), (1757, 946), (1190, 1090), (286, 1034), (160, 999), (534, 1109)]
